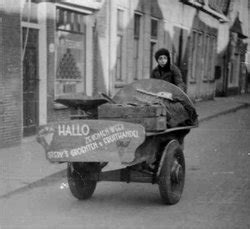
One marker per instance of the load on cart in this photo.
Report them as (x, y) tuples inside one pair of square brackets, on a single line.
[(140, 130)]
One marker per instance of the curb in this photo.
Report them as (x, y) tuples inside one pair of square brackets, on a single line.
[(63, 173), (242, 106), (38, 183)]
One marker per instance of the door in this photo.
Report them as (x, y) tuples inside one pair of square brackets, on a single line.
[(30, 81)]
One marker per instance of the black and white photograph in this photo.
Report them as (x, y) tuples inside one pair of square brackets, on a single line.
[(124, 114)]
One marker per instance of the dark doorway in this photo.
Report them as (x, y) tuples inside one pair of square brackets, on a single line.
[(30, 81)]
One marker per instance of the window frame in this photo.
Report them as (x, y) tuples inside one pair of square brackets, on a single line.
[(153, 42), (193, 58), (119, 44), (152, 35), (65, 86), (203, 51), (136, 43)]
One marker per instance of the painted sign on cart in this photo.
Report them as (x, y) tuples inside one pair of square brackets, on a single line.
[(91, 140)]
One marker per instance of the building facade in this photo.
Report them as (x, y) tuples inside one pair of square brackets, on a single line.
[(232, 50), (58, 47)]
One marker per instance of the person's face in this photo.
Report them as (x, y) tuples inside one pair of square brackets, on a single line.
[(162, 60)]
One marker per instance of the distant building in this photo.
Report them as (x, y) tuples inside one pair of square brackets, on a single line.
[(232, 49), (50, 48)]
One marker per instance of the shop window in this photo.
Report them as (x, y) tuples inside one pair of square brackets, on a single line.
[(70, 50)]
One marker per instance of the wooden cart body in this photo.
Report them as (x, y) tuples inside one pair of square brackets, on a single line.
[(89, 145)]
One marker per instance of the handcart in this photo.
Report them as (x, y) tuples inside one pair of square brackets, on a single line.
[(88, 144)]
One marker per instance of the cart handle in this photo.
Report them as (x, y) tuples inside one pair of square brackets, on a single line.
[(107, 97)]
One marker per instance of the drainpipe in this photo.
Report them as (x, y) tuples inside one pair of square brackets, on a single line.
[(110, 76)]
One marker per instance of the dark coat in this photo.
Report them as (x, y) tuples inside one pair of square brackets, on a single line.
[(173, 75)]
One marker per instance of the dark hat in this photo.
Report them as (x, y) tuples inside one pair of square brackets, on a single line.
[(160, 52)]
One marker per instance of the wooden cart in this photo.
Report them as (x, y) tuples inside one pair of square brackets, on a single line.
[(88, 145)]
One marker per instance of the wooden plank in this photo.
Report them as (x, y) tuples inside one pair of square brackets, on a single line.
[(130, 111), (150, 124), (91, 140)]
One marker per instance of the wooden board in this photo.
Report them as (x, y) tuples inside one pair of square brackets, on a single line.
[(149, 123), (130, 111), (91, 140)]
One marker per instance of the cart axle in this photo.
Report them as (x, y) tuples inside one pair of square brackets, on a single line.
[(124, 175)]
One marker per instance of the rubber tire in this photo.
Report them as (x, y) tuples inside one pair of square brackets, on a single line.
[(169, 192), (80, 187)]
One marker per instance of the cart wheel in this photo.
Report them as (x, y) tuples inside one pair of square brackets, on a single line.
[(81, 187), (171, 175)]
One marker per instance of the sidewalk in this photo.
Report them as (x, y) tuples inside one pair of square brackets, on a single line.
[(25, 165), (221, 105)]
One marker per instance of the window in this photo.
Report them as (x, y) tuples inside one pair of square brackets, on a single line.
[(118, 70), (137, 25), (152, 52), (153, 41), (199, 70), (137, 29), (210, 46), (119, 58), (206, 64), (193, 56), (220, 6), (203, 49), (154, 28), (212, 57), (120, 20), (70, 68), (234, 71)]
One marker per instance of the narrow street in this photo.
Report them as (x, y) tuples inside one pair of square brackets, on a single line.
[(216, 193)]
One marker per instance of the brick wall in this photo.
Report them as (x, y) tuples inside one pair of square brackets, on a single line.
[(10, 74)]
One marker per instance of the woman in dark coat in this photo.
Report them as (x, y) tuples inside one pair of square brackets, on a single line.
[(167, 71)]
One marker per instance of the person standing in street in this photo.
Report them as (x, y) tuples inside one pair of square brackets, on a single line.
[(167, 71)]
